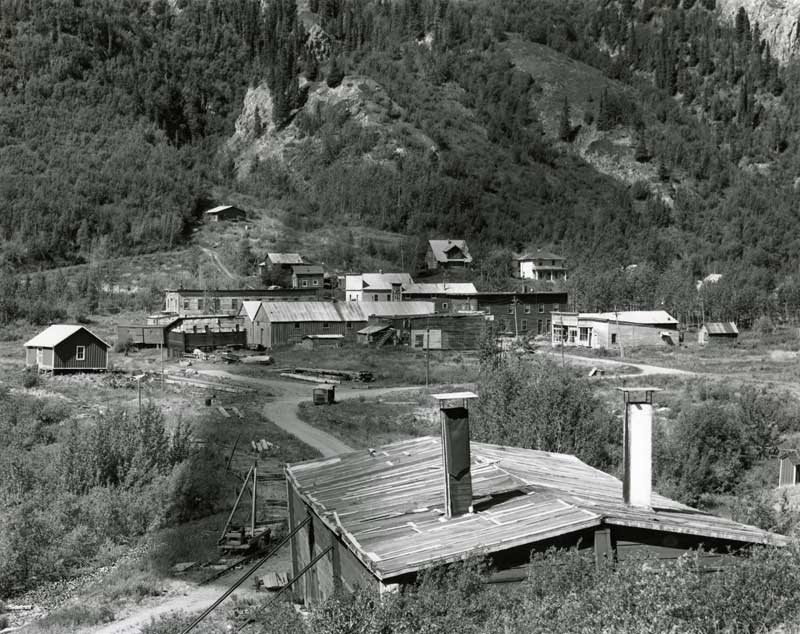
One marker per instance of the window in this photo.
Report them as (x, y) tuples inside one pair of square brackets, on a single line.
[(185, 304), (375, 298), (304, 283), (538, 326), (584, 336), (548, 324), (613, 337), (349, 325), (524, 325), (315, 282), (797, 474), (325, 325), (80, 353), (511, 309), (444, 305), (541, 308), (297, 325), (527, 309), (419, 341)]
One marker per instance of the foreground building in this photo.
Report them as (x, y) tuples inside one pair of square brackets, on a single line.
[(67, 348), (604, 330), (376, 518)]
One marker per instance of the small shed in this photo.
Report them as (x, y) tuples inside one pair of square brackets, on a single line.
[(225, 212), (307, 276), (790, 469), (324, 394), (374, 334), (718, 332), (310, 342), (66, 348)]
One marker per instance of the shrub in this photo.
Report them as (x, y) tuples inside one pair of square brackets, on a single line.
[(764, 325), (77, 615), (124, 345), (30, 378)]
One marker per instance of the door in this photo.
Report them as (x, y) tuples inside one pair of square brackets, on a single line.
[(39, 357)]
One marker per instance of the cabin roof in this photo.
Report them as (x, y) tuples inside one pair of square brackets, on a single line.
[(721, 328), (640, 317), (442, 288), (54, 335), (440, 248), (388, 504)]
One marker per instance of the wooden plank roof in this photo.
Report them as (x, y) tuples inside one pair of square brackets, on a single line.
[(721, 328), (388, 504)]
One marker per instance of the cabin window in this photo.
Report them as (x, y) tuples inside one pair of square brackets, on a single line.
[(325, 325), (527, 309), (304, 283), (80, 353), (374, 298), (419, 341), (444, 305), (315, 282), (524, 325), (541, 308), (297, 325), (613, 337), (185, 304)]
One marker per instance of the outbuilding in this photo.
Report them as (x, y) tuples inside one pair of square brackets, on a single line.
[(67, 348), (225, 212), (720, 332), (376, 518)]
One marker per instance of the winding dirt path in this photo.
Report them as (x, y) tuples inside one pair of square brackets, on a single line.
[(215, 259), (644, 369)]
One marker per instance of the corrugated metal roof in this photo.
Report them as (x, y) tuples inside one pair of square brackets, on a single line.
[(397, 309), (449, 288), (216, 210), (377, 281), (538, 254), (53, 335), (371, 330), (441, 247), (285, 258), (642, 317), (721, 328), (387, 504), (312, 311), (307, 269)]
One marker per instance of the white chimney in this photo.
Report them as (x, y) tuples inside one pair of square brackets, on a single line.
[(637, 446), (456, 458)]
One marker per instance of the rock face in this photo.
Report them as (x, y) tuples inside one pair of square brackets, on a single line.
[(363, 101), (777, 19)]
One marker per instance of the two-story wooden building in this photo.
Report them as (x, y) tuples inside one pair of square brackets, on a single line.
[(538, 264), (447, 255)]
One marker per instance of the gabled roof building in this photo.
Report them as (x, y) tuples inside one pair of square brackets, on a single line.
[(64, 348), (447, 254)]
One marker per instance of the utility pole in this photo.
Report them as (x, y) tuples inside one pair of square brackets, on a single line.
[(162, 364), (427, 356), (514, 303), (619, 335), (253, 506), (561, 319)]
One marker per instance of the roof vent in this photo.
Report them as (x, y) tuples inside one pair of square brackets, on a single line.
[(455, 451)]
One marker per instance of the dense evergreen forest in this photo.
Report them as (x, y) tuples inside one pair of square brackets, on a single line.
[(113, 116)]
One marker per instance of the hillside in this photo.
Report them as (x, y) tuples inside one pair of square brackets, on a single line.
[(619, 132), (778, 21)]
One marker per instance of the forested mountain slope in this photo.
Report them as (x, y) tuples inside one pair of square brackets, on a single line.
[(669, 141)]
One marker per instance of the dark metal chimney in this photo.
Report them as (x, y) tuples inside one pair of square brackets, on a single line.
[(455, 451)]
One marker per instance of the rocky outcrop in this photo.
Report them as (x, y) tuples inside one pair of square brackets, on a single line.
[(777, 19), (365, 102)]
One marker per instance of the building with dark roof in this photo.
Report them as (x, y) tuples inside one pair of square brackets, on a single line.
[(308, 276), (375, 518)]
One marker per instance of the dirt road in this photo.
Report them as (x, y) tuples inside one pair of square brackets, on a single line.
[(289, 394), (215, 259), (622, 367)]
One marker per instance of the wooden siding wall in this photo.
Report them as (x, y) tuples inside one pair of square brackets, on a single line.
[(180, 342), (30, 356), (231, 301), (64, 357), (630, 334), (142, 335), (283, 333), (787, 472)]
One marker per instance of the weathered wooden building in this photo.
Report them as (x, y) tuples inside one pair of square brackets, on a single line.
[(185, 301), (308, 276), (448, 297), (376, 287), (605, 330), (224, 212), (447, 254), (445, 331), (724, 332), (67, 348), (272, 324), (375, 518), (541, 265), (205, 332)]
